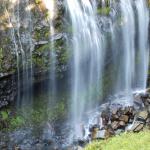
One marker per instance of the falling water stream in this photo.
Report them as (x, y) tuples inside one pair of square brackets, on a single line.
[(87, 59), (131, 59), (23, 47), (142, 46), (50, 5), (100, 39)]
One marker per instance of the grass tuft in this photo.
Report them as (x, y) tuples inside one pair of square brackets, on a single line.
[(125, 141)]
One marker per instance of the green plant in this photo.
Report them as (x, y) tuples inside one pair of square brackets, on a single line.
[(103, 11), (125, 141), (4, 115)]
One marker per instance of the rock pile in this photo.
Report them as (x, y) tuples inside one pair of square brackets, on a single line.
[(120, 119)]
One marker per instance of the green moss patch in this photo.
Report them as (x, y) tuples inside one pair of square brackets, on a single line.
[(103, 11)]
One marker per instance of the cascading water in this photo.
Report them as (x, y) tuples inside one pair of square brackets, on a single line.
[(131, 55), (129, 59), (87, 59), (23, 48), (142, 55), (105, 63), (50, 5), (126, 68)]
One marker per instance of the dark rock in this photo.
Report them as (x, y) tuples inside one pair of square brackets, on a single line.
[(114, 117), (128, 110), (94, 127), (144, 95), (94, 133), (109, 132), (81, 142)]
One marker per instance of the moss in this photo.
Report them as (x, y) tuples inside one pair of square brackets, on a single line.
[(40, 57), (126, 141), (10, 122), (103, 11), (41, 33), (38, 1), (28, 116), (1, 57)]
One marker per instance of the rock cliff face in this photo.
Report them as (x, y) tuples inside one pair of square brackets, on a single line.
[(25, 43)]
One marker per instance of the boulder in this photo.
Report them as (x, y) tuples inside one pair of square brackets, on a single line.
[(124, 118), (122, 124), (94, 130), (109, 132), (144, 95), (143, 114), (115, 125), (148, 90), (114, 117), (146, 102), (114, 111), (137, 126), (105, 117), (101, 134), (137, 99)]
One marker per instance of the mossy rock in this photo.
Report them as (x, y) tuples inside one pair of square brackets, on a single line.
[(103, 11)]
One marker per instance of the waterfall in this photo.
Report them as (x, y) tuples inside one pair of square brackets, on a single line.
[(126, 68), (23, 47), (142, 48), (129, 57), (132, 47), (86, 67), (50, 5)]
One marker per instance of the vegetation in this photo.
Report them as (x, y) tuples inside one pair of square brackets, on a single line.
[(1, 56), (103, 11), (126, 141), (10, 121)]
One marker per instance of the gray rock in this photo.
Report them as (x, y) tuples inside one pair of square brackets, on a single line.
[(115, 125), (143, 114), (101, 134), (137, 126)]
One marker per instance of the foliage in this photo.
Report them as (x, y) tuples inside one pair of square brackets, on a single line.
[(125, 141), (1, 56), (38, 1), (10, 122), (103, 11), (4, 115), (16, 122)]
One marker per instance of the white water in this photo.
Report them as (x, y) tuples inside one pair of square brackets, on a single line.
[(132, 71), (87, 58), (23, 47), (50, 5), (142, 49), (127, 66), (130, 60)]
